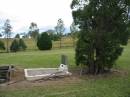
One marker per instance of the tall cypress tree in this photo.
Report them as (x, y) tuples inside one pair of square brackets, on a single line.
[(103, 28)]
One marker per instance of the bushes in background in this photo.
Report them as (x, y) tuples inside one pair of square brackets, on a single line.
[(44, 41), (17, 45), (2, 46), (22, 45), (14, 46)]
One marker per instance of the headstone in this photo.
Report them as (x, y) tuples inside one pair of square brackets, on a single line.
[(64, 59)]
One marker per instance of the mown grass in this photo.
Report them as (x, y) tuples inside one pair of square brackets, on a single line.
[(111, 85), (101, 87), (124, 60), (51, 58)]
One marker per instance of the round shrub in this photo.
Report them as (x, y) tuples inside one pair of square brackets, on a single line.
[(44, 41)]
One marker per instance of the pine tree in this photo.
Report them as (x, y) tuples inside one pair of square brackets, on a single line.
[(103, 30)]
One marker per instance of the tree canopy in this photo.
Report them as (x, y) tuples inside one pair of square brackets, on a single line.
[(60, 29), (103, 28), (33, 30), (17, 36), (7, 32)]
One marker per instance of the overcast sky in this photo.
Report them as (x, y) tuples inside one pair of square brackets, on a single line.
[(43, 12)]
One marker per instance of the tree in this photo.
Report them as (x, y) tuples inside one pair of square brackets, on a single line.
[(17, 36), (7, 32), (14, 46), (103, 30), (33, 31), (44, 41), (2, 46), (0, 35), (60, 29), (22, 45), (53, 35), (74, 31), (24, 35)]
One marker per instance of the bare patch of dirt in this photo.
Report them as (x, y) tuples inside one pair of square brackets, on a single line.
[(18, 80)]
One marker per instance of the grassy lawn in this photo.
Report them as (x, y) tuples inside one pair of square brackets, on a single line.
[(112, 85), (37, 58)]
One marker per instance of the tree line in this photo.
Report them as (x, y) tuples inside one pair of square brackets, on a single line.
[(34, 33)]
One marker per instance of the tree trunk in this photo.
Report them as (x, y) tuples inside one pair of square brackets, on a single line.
[(91, 59), (60, 42), (7, 44), (73, 42), (60, 39)]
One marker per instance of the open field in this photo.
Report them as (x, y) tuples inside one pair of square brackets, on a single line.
[(37, 58), (115, 84)]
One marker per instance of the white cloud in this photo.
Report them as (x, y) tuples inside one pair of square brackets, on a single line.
[(43, 12)]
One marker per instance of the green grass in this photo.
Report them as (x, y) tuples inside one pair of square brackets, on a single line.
[(32, 59), (116, 85), (101, 87), (124, 60)]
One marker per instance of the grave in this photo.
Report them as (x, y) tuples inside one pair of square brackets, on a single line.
[(45, 73)]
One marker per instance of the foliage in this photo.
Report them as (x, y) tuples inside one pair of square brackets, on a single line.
[(14, 46), (53, 35), (17, 36), (7, 32), (2, 46), (44, 41), (74, 32), (0, 35), (103, 30), (22, 45), (60, 29), (33, 31), (24, 35)]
